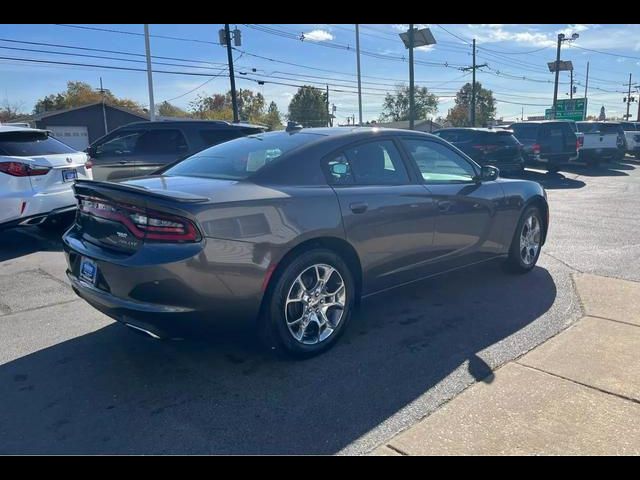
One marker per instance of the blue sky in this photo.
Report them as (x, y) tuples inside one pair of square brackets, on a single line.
[(516, 55)]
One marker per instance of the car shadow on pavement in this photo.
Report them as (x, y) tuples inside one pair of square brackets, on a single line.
[(603, 170), (18, 242), (114, 392), (552, 181)]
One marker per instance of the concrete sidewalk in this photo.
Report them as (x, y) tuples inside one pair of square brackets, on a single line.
[(576, 394)]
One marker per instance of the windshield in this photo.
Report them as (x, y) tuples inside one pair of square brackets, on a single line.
[(28, 144), (240, 158)]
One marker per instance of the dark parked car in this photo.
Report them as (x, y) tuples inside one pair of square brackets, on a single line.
[(292, 228), (140, 148), (552, 142), (487, 146)]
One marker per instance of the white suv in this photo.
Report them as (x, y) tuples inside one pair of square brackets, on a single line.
[(36, 175), (632, 136)]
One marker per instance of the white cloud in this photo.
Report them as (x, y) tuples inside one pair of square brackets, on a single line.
[(318, 36)]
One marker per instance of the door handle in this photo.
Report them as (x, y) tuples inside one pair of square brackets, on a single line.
[(122, 162), (444, 205), (359, 207)]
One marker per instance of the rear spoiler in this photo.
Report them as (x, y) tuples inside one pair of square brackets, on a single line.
[(181, 197)]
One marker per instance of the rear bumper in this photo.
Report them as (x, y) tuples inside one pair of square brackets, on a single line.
[(23, 205), (167, 289), (600, 153), (38, 218)]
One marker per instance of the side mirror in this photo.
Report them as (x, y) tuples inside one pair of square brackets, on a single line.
[(339, 169), (488, 173)]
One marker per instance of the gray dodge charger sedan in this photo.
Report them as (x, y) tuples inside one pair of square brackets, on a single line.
[(290, 229)]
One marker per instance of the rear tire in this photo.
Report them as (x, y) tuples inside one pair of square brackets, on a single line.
[(296, 320), (527, 241)]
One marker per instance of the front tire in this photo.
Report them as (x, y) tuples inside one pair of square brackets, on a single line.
[(309, 305), (527, 241)]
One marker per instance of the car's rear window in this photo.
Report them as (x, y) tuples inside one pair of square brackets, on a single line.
[(523, 131), (456, 135), (28, 144), (497, 138), (240, 158)]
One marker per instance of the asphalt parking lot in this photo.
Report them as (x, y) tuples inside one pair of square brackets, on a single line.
[(74, 382)]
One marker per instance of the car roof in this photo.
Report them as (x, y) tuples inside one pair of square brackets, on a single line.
[(12, 128), (202, 123), (539, 122), (475, 129)]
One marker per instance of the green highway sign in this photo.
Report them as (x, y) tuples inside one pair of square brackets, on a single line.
[(568, 109)]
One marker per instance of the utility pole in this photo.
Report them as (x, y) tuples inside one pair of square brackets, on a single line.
[(586, 103), (412, 106), (152, 109), (358, 65), (473, 68), (328, 115), (555, 84), (627, 117), (232, 78), (104, 110), (473, 86), (638, 89), (571, 87)]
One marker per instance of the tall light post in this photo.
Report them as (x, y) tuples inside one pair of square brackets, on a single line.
[(152, 107), (358, 67), (561, 38), (415, 38)]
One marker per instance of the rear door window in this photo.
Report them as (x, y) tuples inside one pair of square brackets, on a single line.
[(503, 139), (161, 142), (371, 163), (118, 144)]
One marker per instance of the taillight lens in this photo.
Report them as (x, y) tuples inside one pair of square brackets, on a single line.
[(19, 169), (144, 224), (88, 164), (536, 148)]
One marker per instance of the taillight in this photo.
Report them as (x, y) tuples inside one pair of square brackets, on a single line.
[(88, 164), (579, 142), (144, 224), (19, 169), (536, 148)]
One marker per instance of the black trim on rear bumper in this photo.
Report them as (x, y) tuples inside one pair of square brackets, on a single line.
[(38, 218)]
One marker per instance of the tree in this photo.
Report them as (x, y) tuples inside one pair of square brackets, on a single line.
[(485, 107), (81, 93), (309, 107), (10, 111), (272, 118), (396, 105), (220, 107), (165, 109)]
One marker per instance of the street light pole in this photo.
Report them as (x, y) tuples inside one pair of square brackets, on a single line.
[(411, 86), (628, 99), (152, 109), (571, 91), (358, 65), (555, 85), (586, 103)]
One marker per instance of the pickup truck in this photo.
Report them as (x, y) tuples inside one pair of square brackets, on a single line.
[(602, 141), (632, 135)]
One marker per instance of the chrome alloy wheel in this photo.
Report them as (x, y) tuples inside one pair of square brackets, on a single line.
[(530, 239), (315, 304)]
